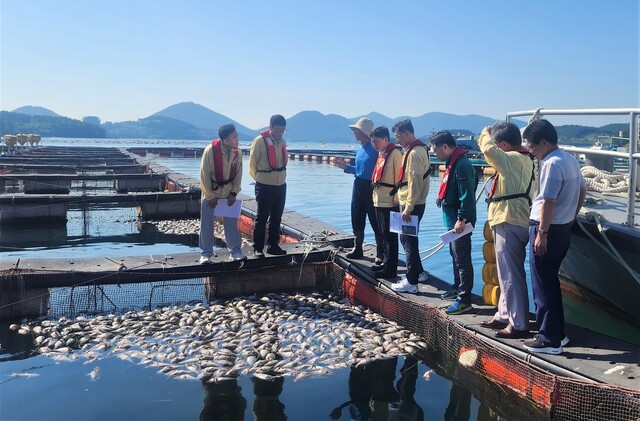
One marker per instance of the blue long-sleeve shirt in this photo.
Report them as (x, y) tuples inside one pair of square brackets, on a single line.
[(366, 157)]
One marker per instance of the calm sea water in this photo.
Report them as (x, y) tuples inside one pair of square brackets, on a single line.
[(125, 391)]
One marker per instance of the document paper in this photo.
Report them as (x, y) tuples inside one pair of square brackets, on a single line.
[(450, 236), (223, 209), (396, 224)]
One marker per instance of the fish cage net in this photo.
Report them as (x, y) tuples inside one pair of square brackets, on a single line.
[(490, 373)]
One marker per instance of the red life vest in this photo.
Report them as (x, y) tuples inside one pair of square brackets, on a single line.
[(457, 153), (216, 147), (271, 153), (401, 183), (525, 195), (376, 176)]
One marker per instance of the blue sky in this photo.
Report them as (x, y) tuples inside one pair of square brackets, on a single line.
[(124, 60)]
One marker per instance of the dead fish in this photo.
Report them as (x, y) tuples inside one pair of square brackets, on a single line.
[(25, 375), (94, 374)]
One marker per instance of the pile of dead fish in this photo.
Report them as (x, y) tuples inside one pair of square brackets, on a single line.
[(190, 227), (276, 334)]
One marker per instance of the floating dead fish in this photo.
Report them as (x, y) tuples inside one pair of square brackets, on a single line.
[(94, 374), (24, 375), (276, 335)]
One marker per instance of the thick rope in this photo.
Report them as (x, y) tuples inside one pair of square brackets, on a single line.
[(604, 181)]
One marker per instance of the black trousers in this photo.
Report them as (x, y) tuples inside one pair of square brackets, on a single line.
[(411, 250), (546, 283), (460, 250), (270, 201), (389, 239), (361, 207)]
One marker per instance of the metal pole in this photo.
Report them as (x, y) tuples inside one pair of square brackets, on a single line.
[(633, 168)]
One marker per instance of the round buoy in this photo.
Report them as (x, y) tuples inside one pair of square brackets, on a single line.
[(487, 289), (488, 233), (495, 296), (489, 252), (490, 294), (490, 273)]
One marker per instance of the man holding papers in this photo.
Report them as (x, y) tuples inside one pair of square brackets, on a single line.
[(412, 186), (456, 197), (220, 180)]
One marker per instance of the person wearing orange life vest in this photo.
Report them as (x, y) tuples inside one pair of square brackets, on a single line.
[(383, 181), (412, 187), (220, 178), (510, 198), (456, 197), (268, 167)]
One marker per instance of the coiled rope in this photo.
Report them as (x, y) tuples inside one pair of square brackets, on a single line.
[(604, 181)]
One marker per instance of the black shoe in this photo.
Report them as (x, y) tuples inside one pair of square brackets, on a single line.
[(258, 253), (385, 273), (378, 267), (510, 332), (276, 250), (356, 253), (378, 260), (493, 324)]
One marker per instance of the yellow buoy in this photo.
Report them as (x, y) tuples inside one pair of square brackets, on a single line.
[(488, 233), (495, 296), (489, 252), (490, 273), (490, 294)]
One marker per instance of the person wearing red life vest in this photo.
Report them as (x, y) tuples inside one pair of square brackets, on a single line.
[(268, 167), (510, 198), (456, 197), (383, 180), (361, 199), (220, 178), (412, 186)]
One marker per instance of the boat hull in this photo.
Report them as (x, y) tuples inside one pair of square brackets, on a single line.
[(591, 266)]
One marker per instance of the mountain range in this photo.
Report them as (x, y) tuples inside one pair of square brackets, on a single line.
[(187, 120)]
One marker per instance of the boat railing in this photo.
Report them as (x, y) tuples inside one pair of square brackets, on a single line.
[(632, 155)]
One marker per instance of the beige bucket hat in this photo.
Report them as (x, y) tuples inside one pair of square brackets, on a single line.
[(365, 125)]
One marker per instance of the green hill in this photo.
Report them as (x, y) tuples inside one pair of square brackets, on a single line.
[(35, 110), (47, 126)]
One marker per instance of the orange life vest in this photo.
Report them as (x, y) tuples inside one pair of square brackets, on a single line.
[(271, 153), (219, 180), (457, 153), (381, 162)]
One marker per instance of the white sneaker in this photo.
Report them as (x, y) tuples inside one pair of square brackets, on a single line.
[(237, 255), (204, 260), (565, 341), (423, 277), (404, 286)]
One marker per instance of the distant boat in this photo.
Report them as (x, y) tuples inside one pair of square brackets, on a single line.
[(602, 265)]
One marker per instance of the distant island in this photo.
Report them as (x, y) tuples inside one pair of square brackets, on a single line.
[(187, 120)]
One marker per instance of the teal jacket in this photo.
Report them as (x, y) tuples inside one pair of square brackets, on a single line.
[(459, 200)]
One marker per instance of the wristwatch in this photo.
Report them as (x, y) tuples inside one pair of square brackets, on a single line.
[(543, 232), (462, 219)]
